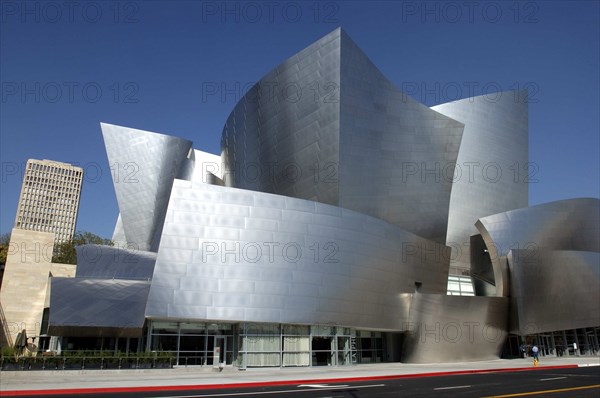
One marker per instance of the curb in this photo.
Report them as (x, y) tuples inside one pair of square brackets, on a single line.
[(72, 391)]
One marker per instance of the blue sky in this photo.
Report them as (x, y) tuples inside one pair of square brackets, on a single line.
[(67, 66)]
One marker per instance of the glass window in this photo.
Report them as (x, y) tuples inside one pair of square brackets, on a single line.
[(164, 327), (296, 330), (260, 328), (164, 343), (193, 328), (192, 343), (320, 330)]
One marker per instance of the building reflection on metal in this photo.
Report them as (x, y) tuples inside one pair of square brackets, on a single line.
[(455, 328), (144, 167), (97, 307), (540, 250), (321, 210), (492, 164), (563, 225), (228, 254), (108, 262), (355, 141), (535, 281)]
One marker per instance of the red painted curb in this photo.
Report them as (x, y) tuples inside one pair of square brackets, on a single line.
[(71, 391)]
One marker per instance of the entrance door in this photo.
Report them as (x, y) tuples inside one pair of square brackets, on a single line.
[(322, 351), (220, 347), (547, 345)]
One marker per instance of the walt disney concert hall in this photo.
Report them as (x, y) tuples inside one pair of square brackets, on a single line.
[(329, 231)]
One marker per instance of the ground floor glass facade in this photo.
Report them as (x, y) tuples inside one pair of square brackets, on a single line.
[(571, 342), (264, 344)]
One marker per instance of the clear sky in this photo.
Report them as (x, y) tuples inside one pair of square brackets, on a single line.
[(67, 66)]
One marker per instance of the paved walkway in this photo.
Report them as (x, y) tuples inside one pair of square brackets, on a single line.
[(197, 376)]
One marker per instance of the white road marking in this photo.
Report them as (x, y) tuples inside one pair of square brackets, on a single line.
[(321, 385), (237, 394), (450, 388), (553, 378)]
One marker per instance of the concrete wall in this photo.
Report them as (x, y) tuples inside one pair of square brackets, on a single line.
[(25, 287)]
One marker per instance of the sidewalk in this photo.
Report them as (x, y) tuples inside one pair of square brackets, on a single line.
[(181, 377)]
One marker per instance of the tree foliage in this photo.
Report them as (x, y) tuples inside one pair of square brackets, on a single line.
[(65, 252), (4, 241)]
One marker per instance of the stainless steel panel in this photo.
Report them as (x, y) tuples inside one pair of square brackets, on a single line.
[(118, 236), (284, 122), (343, 141), (347, 217), (492, 171), (144, 165), (97, 307), (316, 274), (554, 290), (455, 328), (571, 224), (385, 136), (109, 262)]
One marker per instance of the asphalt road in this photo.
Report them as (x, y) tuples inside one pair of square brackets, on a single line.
[(575, 382)]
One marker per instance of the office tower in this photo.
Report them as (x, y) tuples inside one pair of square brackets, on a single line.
[(49, 199)]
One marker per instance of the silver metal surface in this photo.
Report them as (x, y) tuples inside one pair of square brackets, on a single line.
[(393, 150), (108, 262), (572, 224), (554, 290), (97, 307), (492, 171), (237, 255), (143, 166), (118, 236), (455, 328), (352, 139), (283, 136), (331, 203)]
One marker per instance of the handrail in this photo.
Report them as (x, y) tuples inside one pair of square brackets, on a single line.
[(91, 362)]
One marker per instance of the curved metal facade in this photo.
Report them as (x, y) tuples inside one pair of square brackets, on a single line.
[(351, 139), (336, 203), (144, 166), (237, 255), (554, 290), (393, 150), (546, 258), (453, 328), (286, 128), (97, 307), (571, 224), (108, 262), (492, 172)]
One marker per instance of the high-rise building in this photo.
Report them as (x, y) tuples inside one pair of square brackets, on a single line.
[(49, 199)]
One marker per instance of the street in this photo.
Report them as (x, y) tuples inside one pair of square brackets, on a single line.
[(575, 382)]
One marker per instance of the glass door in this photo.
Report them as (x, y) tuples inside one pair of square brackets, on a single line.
[(219, 350)]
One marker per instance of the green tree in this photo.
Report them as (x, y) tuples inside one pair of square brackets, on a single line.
[(4, 241), (65, 252)]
